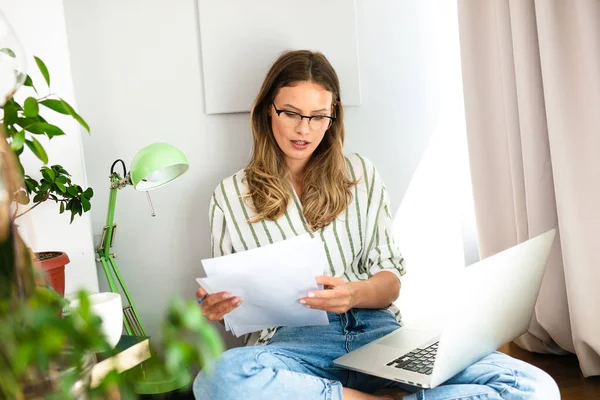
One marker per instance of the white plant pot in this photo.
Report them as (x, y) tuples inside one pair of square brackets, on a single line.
[(109, 307)]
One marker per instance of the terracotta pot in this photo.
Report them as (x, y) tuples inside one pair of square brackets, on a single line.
[(53, 263)]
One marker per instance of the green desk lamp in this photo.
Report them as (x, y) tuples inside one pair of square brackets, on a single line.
[(152, 167)]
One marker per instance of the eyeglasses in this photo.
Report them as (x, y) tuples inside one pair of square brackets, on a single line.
[(292, 119)]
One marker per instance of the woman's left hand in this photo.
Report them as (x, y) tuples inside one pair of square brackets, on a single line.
[(336, 296)]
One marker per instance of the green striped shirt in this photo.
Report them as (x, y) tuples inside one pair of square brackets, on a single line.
[(358, 243)]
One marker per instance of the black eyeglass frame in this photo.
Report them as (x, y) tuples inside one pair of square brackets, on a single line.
[(309, 117)]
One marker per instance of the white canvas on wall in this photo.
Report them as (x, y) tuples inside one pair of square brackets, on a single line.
[(240, 39)]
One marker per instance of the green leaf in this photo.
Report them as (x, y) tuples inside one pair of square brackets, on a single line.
[(41, 128), (72, 191), (60, 187), (176, 354), (86, 204), (60, 170), (31, 184), (31, 125), (48, 174), (55, 105), (77, 117), (8, 51), (62, 207), (52, 340), (76, 206), (37, 149), (24, 355), (11, 109), (61, 179), (29, 82), (31, 107), (45, 186), (51, 130), (192, 317), (43, 70), (39, 197), (89, 193), (18, 140), (11, 130)]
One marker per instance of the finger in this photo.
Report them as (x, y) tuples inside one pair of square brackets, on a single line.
[(200, 293), (335, 309), (215, 298), (326, 303), (329, 280), (212, 311), (221, 304), (225, 307), (325, 294)]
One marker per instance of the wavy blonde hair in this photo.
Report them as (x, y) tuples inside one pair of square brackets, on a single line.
[(326, 185)]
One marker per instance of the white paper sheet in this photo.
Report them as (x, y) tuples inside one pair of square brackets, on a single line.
[(269, 280)]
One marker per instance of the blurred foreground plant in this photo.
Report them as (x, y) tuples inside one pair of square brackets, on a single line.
[(44, 354)]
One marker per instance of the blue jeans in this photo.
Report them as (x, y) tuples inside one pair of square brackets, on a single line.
[(297, 364)]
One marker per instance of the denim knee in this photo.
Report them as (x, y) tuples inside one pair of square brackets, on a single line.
[(222, 378), (253, 373), (518, 379), (544, 386), (238, 372)]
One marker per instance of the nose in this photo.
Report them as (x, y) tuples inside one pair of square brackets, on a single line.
[(303, 127)]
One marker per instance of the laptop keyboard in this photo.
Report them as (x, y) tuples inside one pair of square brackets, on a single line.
[(418, 360)]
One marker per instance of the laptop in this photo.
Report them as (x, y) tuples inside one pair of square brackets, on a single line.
[(492, 303)]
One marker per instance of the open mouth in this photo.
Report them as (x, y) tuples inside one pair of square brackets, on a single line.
[(300, 142)]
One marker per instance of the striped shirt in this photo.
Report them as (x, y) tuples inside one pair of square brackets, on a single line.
[(358, 243)]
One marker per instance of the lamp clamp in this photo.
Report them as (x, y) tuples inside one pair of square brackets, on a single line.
[(119, 183)]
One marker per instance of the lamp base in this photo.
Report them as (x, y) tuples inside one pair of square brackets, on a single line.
[(151, 377)]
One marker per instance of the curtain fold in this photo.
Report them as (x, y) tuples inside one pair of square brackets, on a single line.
[(531, 76)]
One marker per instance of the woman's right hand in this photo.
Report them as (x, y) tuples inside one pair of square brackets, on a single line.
[(215, 306)]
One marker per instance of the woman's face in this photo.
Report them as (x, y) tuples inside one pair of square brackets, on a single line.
[(298, 141)]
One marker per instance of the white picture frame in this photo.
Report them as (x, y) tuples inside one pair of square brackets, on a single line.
[(240, 40)]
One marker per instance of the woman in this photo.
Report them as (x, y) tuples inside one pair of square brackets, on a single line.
[(298, 181)]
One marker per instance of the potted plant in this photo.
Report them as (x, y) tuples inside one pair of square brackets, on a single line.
[(46, 355), (23, 123)]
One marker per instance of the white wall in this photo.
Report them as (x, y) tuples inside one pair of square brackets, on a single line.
[(40, 27), (138, 80)]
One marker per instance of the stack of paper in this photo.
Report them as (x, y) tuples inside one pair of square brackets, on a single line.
[(269, 280)]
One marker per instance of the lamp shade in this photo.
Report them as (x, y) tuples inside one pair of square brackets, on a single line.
[(156, 165)]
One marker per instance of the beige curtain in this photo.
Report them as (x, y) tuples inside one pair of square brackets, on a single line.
[(531, 74)]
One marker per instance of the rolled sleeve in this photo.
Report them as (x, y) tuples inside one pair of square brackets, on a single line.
[(383, 254)]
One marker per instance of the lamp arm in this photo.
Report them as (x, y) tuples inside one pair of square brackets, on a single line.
[(110, 215), (133, 324)]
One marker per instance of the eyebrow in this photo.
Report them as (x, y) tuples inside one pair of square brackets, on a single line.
[(296, 108)]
